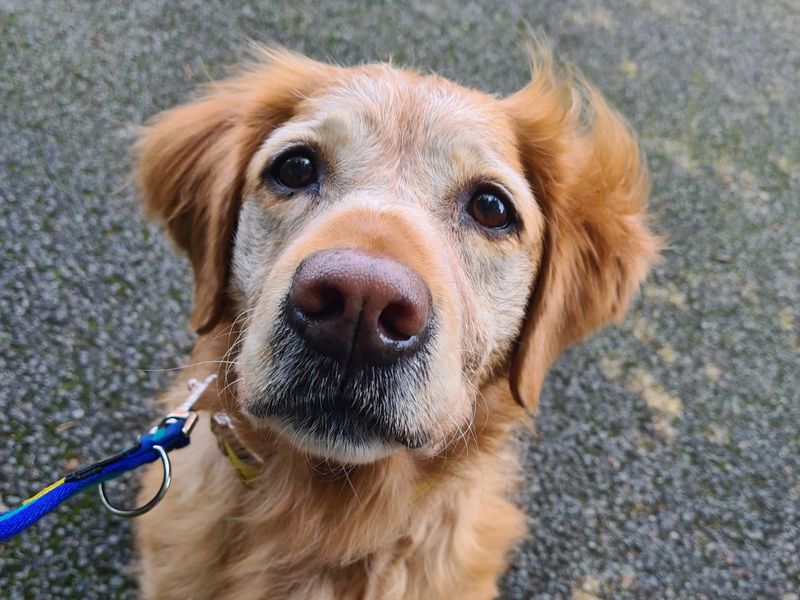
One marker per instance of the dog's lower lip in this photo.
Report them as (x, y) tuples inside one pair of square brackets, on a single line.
[(349, 427)]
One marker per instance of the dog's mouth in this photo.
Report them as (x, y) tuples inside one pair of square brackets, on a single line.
[(352, 411)]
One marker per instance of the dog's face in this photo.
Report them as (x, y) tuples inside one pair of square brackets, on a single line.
[(386, 246), (379, 235)]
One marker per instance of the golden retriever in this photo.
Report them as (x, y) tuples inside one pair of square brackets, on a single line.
[(386, 265)]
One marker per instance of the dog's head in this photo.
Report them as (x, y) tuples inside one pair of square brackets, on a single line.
[(393, 243)]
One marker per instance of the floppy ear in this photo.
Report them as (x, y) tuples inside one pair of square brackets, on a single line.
[(590, 179), (191, 164)]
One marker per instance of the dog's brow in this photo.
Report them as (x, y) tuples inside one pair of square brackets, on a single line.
[(477, 162)]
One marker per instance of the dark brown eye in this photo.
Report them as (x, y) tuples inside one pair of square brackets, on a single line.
[(296, 171), (490, 210)]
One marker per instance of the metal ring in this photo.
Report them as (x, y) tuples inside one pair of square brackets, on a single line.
[(135, 512)]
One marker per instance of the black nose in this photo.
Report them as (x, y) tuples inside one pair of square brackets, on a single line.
[(359, 308)]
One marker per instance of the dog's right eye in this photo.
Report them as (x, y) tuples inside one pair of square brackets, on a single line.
[(295, 170)]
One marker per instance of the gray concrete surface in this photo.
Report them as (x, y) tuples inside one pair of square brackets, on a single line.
[(667, 458)]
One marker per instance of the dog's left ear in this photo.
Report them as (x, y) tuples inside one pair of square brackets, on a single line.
[(191, 164), (590, 180)]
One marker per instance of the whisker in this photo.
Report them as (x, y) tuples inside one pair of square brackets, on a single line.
[(182, 367)]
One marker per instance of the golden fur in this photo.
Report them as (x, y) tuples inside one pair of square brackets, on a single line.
[(429, 523)]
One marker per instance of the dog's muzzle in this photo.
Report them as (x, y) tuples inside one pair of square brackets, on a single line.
[(351, 351)]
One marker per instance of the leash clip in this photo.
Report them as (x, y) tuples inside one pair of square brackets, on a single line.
[(184, 411), (188, 418)]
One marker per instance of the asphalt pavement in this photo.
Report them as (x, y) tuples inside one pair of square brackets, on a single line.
[(666, 459)]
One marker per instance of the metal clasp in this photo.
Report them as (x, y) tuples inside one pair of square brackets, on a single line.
[(184, 413)]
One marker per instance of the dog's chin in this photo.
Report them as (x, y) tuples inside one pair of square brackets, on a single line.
[(334, 449)]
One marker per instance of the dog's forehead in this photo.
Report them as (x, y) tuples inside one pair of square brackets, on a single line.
[(411, 114)]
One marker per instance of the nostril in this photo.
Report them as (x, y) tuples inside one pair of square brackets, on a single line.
[(400, 321), (321, 301)]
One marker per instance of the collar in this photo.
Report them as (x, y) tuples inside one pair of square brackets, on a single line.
[(246, 463)]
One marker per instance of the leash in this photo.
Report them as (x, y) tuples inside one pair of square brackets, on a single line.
[(170, 434)]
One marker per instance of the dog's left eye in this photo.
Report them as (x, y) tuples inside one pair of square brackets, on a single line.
[(296, 170), (490, 210)]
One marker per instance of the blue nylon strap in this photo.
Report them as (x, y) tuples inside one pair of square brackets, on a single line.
[(169, 435)]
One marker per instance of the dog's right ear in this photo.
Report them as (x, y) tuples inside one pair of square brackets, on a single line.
[(191, 164)]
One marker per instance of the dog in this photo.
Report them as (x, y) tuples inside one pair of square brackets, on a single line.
[(386, 264)]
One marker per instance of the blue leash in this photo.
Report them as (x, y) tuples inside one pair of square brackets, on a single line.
[(172, 433)]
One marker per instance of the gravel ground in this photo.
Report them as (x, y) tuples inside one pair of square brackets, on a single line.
[(667, 458)]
